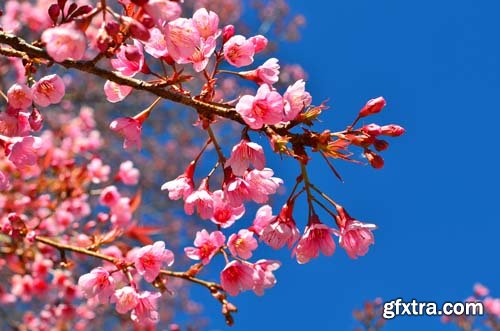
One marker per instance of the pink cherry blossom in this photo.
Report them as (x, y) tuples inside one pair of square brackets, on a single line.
[(206, 245), (126, 299), (128, 174), (263, 276), (242, 244), (48, 90), (115, 92), (237, 190), (156, 46), (109, 196), (260, 43), (480, 290), (492, 306), (296, 98), (239, 51), (163, 11), (206, 22), (266, 107), (354, 236), (145, 310), (20, 96), (236, 277), (65, 42), (244, 153), (14, 123), (201, 54), (202, 200), (130, 60), (182, 39), (121, 215), (317, 237), (224, 213), (149, 259), (261, 184), (130, 128), (282, 230), (97, 283), (263, 218), (267, 73), (182, 186), (98, 171), (23, 151)]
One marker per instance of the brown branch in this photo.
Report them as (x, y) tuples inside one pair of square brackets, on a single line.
[(22, 49)]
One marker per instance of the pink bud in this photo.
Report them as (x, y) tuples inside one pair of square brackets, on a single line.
[(393, 130), (227, 33), (259, 42), (376, 161), (381, 145), (372, 129), (35, 120), (112, 28), (373, 106)]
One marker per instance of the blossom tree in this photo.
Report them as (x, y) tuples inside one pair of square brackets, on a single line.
[(94, 167)]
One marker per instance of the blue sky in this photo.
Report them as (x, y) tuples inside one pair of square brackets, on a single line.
[(437, 63)]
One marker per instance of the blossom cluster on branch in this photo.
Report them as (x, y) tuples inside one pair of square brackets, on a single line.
[(151, 47)]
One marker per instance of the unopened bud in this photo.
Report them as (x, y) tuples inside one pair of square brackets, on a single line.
[(393, 130), (54, 11), (376, 161), (139, 2), (373, 106), (137, 30), (35, 120), (112, 28), (227, 33), (259, 42), (147, 21), (372, 129), (380, 145)]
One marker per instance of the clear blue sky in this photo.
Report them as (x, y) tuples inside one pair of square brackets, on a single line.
[(438, 65)]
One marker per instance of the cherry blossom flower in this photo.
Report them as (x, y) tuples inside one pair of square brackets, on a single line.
[(14, 123), (20, 96), (354, 236), (128, 174), (242, 244), (266, 107), (480, 290), (296, 98), (23, 151), (281, 230), (263, 276), (317, 237), (236, 277), (202, 200), (130, 128), (65, 42), (156, 46), (115, 92), (109, 196), (206, 245), (126, 299), (237, 190), (239, 51), (224, 213), (98, 171), (492, 306), (201, 54), (244, 153), (182, 39), (263, 218), (145, 310), (121, 215), (130, 60), (261, 184), (259, 42), (97, 283), (206, 22), (48, 90), (267, 73), (149, 259), (182, 186), (163, 11)]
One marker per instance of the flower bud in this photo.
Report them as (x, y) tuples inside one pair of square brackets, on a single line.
[(227, 33), (380, 145), (112, 28), (376, 161), (392, 130), (372, 129), (373, 106)]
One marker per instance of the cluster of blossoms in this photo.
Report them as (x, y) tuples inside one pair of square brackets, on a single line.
[(133, 47)]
